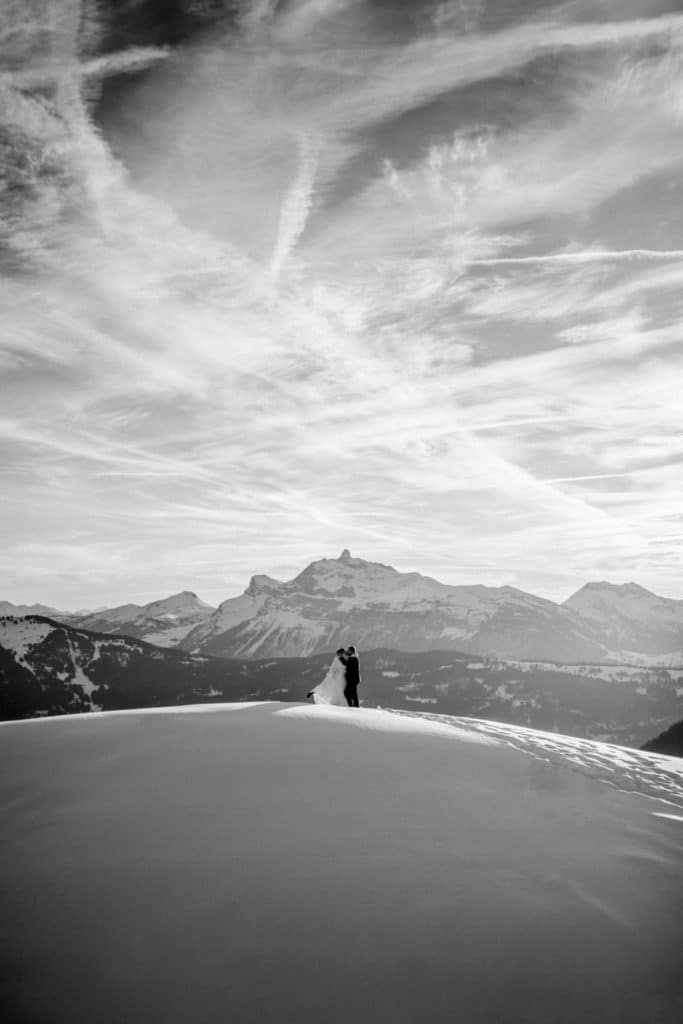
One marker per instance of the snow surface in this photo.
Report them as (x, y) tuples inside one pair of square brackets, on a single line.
[(379, 720), (655, 775), (184, 709), (298, 863), (80, 677)]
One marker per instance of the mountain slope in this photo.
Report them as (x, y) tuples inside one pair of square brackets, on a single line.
[(629, 618), (349, 600), (669, 742), (47, 667), (220, 866), (164, 623)]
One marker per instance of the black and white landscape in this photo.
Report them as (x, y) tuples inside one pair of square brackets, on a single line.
[(489, 652), (400, 279)]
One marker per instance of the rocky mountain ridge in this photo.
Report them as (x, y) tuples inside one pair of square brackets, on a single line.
[(343, 600), (349, 600)]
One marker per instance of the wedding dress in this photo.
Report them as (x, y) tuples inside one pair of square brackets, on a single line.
[(331, 689)]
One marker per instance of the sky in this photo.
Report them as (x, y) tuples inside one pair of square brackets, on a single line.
[(282, 278)]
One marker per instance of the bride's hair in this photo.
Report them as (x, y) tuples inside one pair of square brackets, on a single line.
[(340, 650)]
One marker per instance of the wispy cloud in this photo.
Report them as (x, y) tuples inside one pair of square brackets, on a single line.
[(296, 203), (136, 58), (587, 256), (291, 295)]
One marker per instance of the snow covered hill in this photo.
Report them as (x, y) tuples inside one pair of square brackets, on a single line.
[(347, 599), (631, 620), (164, 623), (47, 667), (270, 863)]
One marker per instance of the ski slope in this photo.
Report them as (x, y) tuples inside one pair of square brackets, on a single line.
[(278, 862)]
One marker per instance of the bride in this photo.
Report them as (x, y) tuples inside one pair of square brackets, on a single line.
[(331, 689)]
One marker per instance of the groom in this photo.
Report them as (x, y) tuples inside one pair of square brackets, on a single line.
[(352, 673)]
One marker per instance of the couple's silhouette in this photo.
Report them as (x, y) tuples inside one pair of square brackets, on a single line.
[(340, 685)]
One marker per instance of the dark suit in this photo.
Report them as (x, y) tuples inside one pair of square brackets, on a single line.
[(352, 672)]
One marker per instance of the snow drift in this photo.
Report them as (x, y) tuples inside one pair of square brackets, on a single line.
[(269, 863)]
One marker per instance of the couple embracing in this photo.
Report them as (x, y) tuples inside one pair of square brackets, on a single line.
[(340, 685)]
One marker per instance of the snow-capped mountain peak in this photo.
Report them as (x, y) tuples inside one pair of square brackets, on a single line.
[(182, 604), (346, 577), (622, 596), (165, 622), (631, 618), (606, 588), (351, 600)]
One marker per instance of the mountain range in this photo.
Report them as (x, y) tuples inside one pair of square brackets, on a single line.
[(7, 608), (164, 623), (345, 600)]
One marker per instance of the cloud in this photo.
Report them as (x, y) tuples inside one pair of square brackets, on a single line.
[(296, 204), (590, 476), (587, 256), (254, 13), (134, 59), (259, 316)]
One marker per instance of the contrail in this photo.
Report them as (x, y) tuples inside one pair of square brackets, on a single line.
[(592, 476), (134, 58), (296, 204), (588, 256)]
